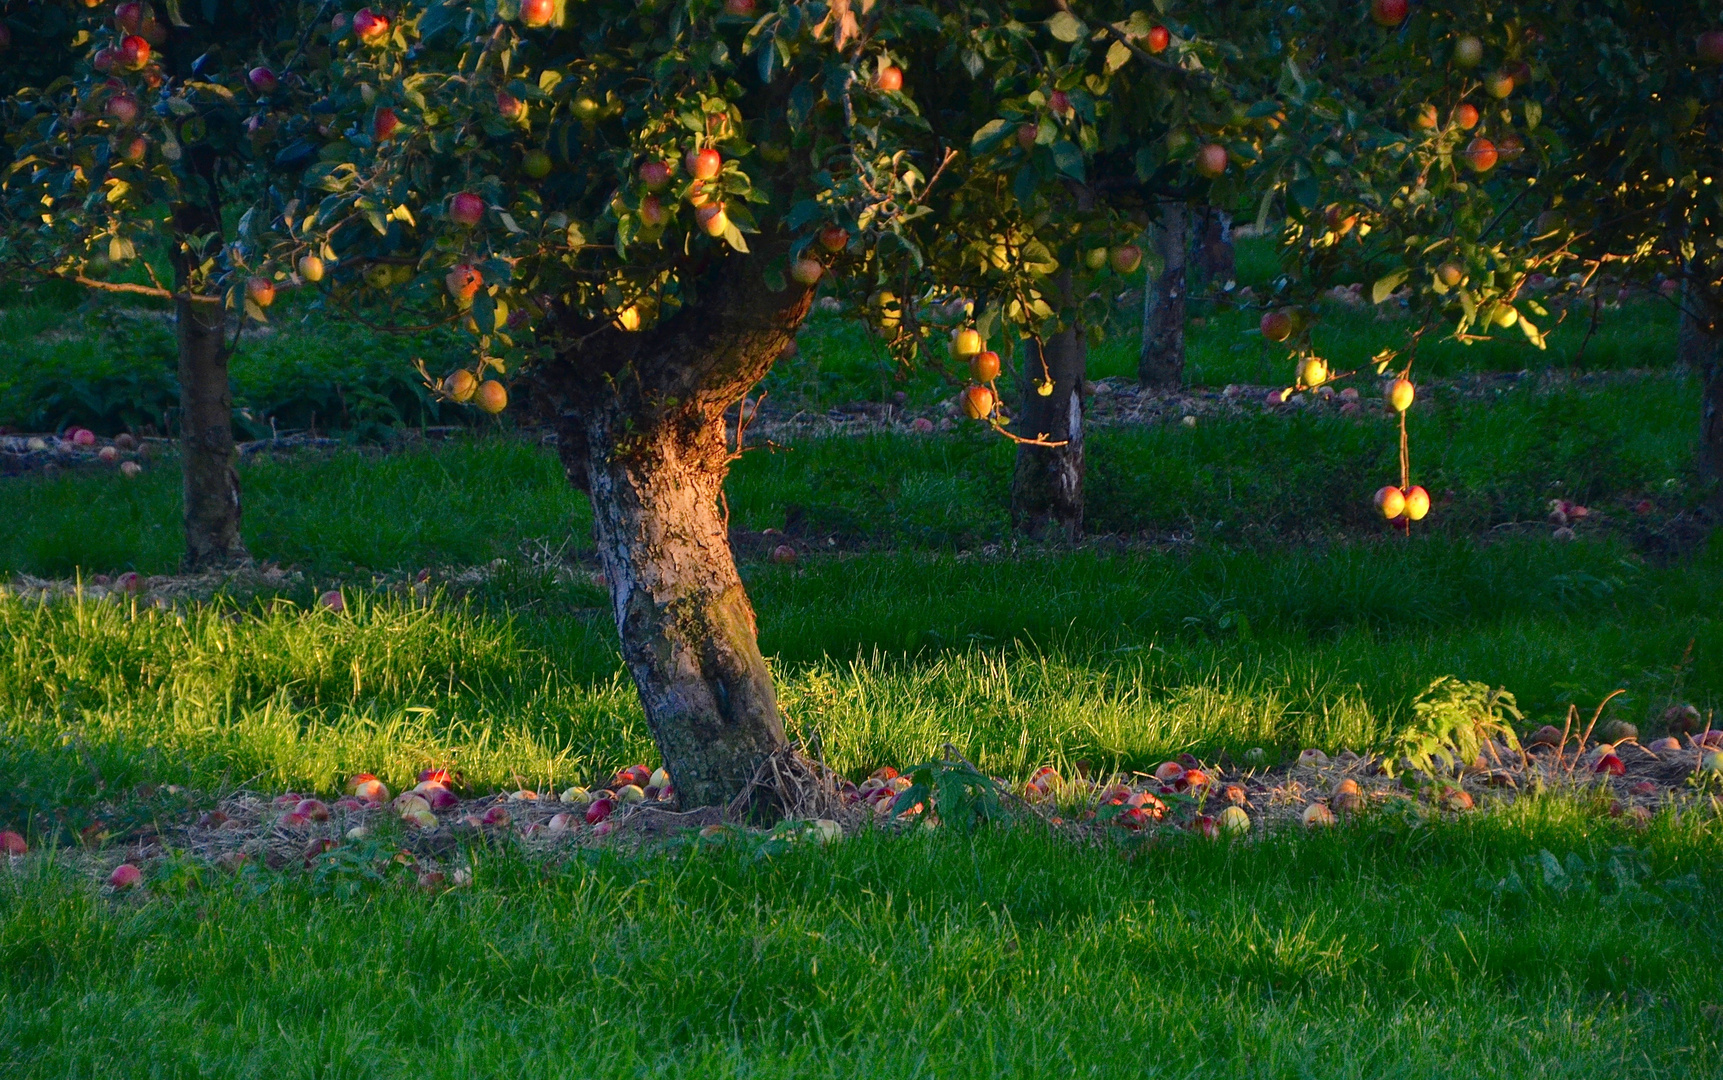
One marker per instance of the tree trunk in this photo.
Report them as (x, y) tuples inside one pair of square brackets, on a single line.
[(207, 455), (640, 425), (1161, 364), (1047, 489), (1700, 345), (1216, 261)]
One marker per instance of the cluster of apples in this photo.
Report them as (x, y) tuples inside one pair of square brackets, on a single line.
[(1137, 807), (628, 787), (1480, 154), (979, 399)]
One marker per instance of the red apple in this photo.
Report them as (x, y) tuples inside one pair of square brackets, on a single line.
[(126, 876), (332, 601), (313, 809), (1710, 47), (435, 776), (833, 238), (1276, 325), (13, 844), (463, 283), (105, 59), (122, 109), (783, 555), (1391, 501), (128, 17), (599, 810), (1126, 258), (135, 149), (1389, 12), (1027, 134), (1417, 503), (652, 211), (537, 13), (1158, 39), (384, 124), (889, 79), (1211, 161), (491, 396), (703, 164), (712, 219), (509, 106), (655, 175), (260, 291), (370, 27), (1426, 120), (1480, 154), (1206, 827), (134, 53), (466, 208), (984, 367), (1499, 85), (1610, 765), (1060, 103), (807, 271), (1510, 148), (1466, 116), (978, 402), (262, 80), (742, 9)]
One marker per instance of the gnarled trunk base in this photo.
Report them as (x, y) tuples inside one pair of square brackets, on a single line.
[(687, 627)]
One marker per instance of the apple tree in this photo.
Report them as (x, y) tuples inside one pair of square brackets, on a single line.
[(630, 206), (151, 139), (1496, 169)]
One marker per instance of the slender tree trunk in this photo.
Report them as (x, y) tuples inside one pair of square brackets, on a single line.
[(1701, 347), (207, 454), (1161, 364), (640, 425), (1047, 488)]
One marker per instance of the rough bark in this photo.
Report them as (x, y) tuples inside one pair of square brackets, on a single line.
[(640, 424), (1161, 364), (1701, 347), (1047, 488), (207, 455)]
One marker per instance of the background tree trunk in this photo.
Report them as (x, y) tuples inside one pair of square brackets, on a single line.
[(1047, 488), (1161, 364), (1701, 347), (640, 425), (1216, 262), (207, 455)]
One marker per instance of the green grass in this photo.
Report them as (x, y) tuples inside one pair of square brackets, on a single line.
[(1543, 940), (1361, 953)]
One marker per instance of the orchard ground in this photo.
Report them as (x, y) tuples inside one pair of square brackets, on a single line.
[(1234, 594)]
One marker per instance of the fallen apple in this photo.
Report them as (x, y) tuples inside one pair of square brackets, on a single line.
[(422, 819), (313, 809), (576, 795), (332, 601), (1207, 827), (496, 815), (1312, 758), (599, 810), (1316, 815), (562, 822), (13, 844), (1609, 764), (1233, 819), (125, 876)]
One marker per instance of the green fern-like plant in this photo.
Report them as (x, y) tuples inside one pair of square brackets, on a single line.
[(1451, 722)]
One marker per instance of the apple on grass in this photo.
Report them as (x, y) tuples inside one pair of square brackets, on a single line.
[(1316, 815), (13, 844), (332, 601), (125, 876), (599, 809)]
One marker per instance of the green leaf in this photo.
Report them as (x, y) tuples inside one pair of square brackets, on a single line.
[(1118, 55), (1066, 27), (1385, 286), (1534, 115), (1069, 159), (990, 135)]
